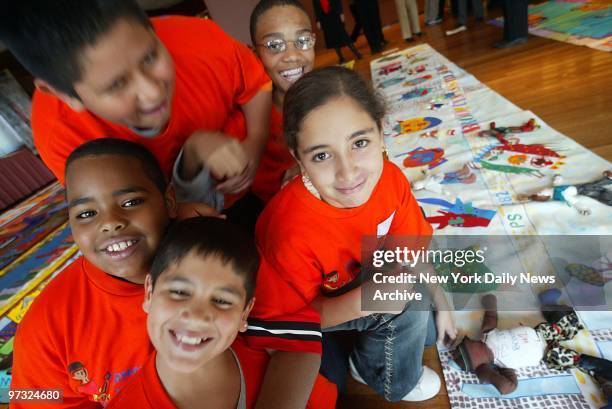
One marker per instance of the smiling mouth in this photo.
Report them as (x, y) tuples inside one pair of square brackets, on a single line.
[(188, 342), (121, 249), (353, 189), (293, 74), (154, 111)]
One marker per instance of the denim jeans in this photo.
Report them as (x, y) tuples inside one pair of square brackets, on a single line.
[(387, 350)]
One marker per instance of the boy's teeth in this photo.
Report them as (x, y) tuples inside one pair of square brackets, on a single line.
[(188, 340), (293, 74), (120, 246)]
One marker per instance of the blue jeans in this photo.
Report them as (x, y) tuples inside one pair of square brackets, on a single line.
[(387, 350)]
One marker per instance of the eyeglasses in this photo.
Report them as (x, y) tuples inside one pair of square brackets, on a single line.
[(278, 45)]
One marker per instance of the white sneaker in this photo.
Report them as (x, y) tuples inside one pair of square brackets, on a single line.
[(427, 387), (455, 30)]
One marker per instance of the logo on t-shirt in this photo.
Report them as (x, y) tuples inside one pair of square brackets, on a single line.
[(383, 228)]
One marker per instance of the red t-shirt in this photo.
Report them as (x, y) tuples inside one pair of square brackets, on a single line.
[(145, 390), (84, 334), (214, 74), (310, 247), (275, 160)]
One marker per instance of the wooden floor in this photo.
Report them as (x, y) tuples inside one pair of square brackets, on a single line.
[(568, 86)]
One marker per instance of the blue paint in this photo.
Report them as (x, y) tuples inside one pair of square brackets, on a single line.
[(552, 385)]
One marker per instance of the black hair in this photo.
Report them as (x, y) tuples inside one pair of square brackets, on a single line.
[(209, 237), (320, 86), (265, 5), (114, 146), (48, 37)]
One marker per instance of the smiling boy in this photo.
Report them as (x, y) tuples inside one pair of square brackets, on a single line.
[(103, 68), (85, 330), (198, 297)]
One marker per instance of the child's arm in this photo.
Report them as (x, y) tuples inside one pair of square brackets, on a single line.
[(341, 309), (288, 380), (257, 115)]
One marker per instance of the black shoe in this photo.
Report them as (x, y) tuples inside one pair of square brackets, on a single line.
[(419, 34), (409, 39), (511, 43)]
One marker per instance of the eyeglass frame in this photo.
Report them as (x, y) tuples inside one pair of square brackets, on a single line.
[(312, 35)]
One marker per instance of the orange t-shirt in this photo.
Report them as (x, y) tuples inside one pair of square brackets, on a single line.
[(310, 247), (85, 334), (275, 160), (145, 390), (214, 75)]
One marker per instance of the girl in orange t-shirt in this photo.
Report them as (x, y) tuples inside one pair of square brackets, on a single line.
[(310, 235)]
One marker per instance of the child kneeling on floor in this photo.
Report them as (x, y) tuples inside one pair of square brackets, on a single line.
[(310, 235)]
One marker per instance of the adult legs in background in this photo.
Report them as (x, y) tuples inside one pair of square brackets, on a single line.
[(515, 23), (358, 25), (462, 15), (366, 9), (378, 23), (431, 12), (441, 5), (339, 54), (408, 15)]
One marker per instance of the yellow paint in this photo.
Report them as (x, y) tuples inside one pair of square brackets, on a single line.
[(580, 377), (413, 125)]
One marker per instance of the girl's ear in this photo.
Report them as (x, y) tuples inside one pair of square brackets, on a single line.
[(171, 204), (245, 315), (148, 293), (297, 160)]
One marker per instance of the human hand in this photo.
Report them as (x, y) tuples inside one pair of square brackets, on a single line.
[(238, 183), (194, 209), (445, 324), (223, 155)]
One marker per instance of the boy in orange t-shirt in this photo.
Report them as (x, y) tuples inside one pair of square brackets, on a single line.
[(281, 33), (104, 69), (85, 334), (198, 297)]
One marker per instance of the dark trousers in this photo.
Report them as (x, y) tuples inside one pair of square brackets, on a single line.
[(515, 19), (369, 16)]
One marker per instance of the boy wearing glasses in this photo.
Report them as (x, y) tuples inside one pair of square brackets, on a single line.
[(284, 42)]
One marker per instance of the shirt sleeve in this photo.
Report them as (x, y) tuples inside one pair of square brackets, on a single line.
[(249, 74), (296, 332), (37, 364), (282, 317), (53, 142), (200, 189)]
